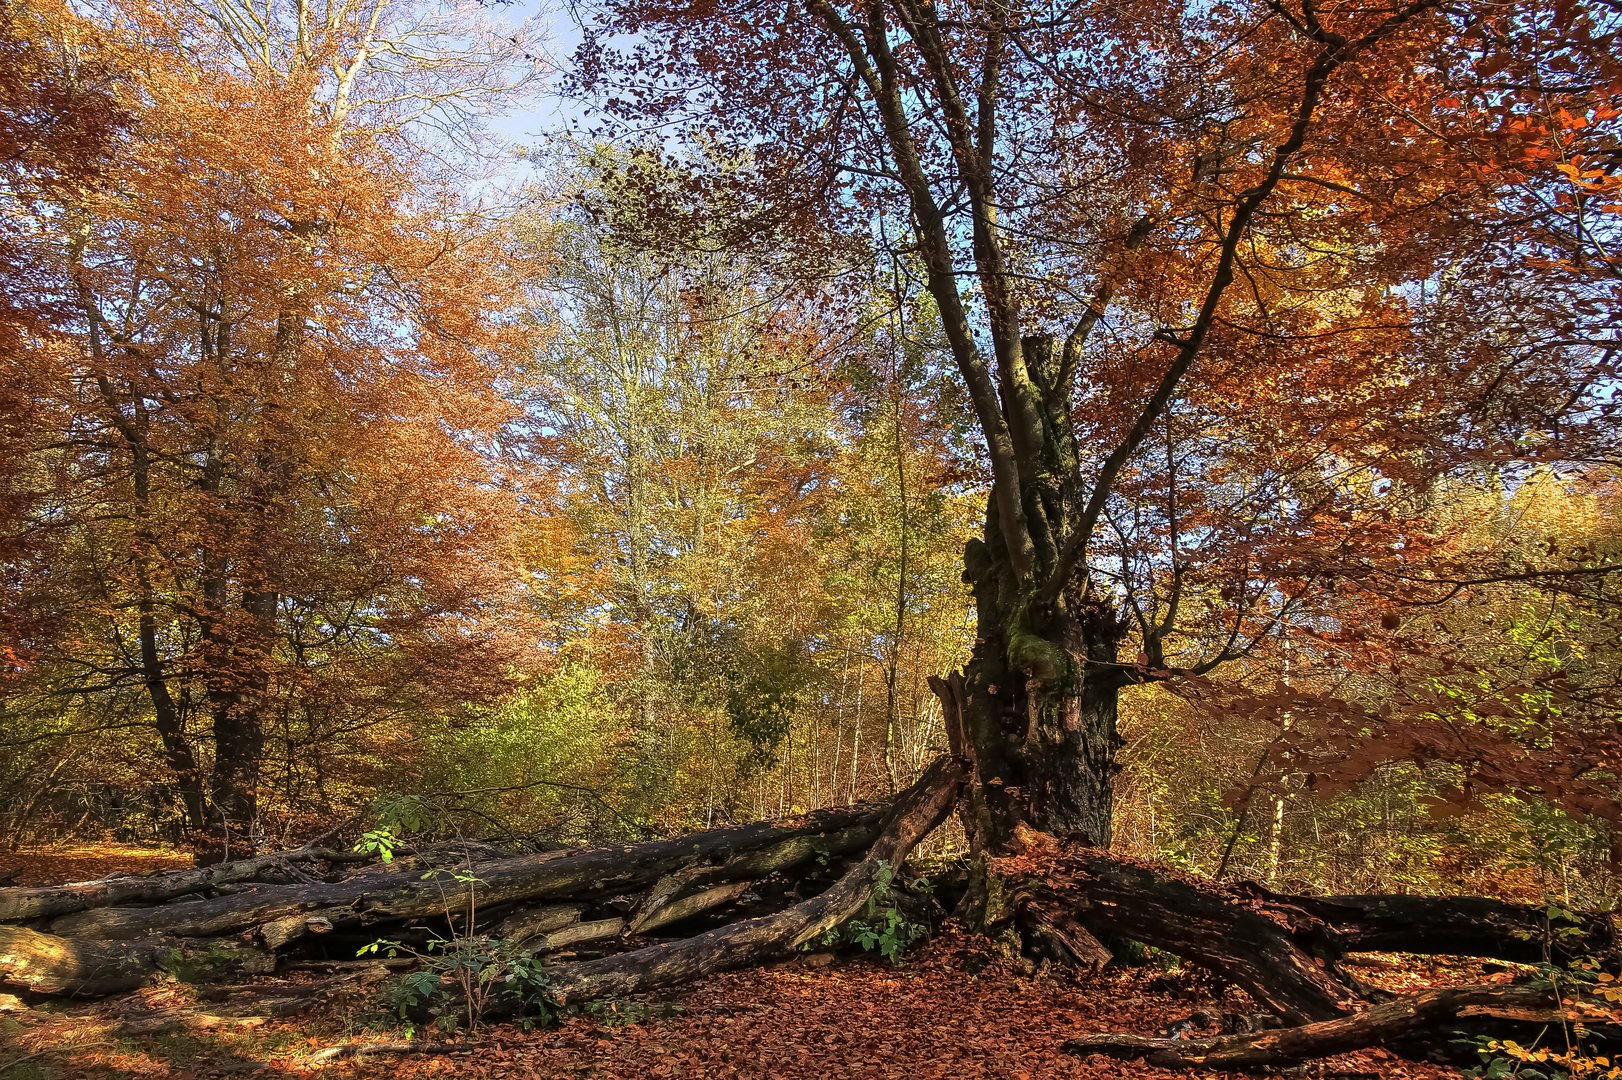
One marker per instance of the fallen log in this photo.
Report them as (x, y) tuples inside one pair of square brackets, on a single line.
[(1288, 970), (19, 904), (51, 964), (1286, 952), (1459, 926), (713, 856), (915, 814), (1423, 1019), (556, 899)]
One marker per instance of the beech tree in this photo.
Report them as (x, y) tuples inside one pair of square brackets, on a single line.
[(1227, 287), (272, 341), (758, 516)]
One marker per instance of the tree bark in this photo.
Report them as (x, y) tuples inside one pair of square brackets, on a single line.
[(1424, 1020), (1035, 709), (915, 814), (1458, 926)]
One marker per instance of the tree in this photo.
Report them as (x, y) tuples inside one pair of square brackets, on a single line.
[(279, 342), (726, 462), (1227, 289)]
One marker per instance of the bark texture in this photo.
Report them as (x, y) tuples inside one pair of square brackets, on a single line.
[(915, 814), (232, 919), (1427, 1018)]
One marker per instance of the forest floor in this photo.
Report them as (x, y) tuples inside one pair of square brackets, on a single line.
[(814, 1018)]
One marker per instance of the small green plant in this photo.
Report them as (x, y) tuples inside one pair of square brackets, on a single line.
[(472, 969), (474, 972), (882, 926), (380, 842), (397, 816)]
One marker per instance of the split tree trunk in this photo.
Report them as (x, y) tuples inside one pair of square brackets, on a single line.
[(915, 815), (1285, 952)]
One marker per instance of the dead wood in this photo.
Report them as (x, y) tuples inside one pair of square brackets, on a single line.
[(355, 1050), (1422, 1019), (738, 852), (51, 964), (1289, 970), (18, 904), (915, 814)]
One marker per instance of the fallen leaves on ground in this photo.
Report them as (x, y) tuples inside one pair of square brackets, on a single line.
[(932, 1017), (86, 862)]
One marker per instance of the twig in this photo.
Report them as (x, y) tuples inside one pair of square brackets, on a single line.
[(354, 1050)]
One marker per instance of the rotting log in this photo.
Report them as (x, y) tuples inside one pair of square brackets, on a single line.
[(716, 855), (51, 964), (521, 925), (19, 904), (915, 814), (1284, 951), (1459, 926), (1424, 1019), (1288, 970), (555, 899), (1060, 936), (687, 905)]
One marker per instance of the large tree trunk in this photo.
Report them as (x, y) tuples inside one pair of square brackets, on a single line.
[(1034, 714), (1035, 709)]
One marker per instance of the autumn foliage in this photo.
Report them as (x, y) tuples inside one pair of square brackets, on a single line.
[(1243, 430)]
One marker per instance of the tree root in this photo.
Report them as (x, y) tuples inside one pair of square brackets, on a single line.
[(1423, 1019)]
